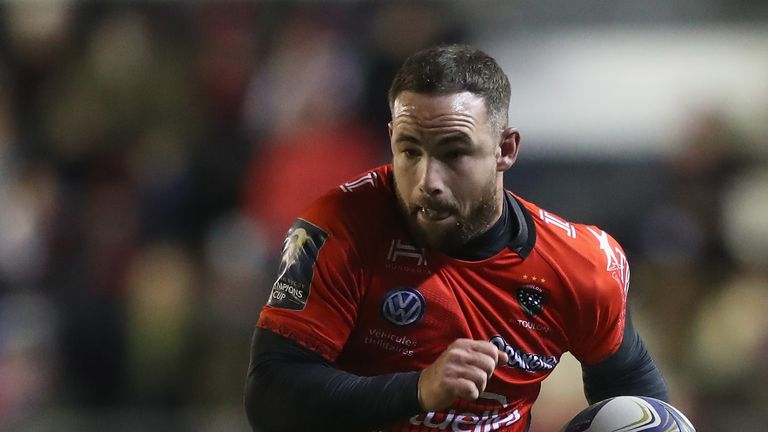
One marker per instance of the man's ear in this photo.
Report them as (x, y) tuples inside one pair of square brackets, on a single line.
[(506, 154), (389, 128)]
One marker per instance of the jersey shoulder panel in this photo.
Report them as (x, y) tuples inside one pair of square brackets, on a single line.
[(355, 207), (585, 254), (315, 298), (594, 268)]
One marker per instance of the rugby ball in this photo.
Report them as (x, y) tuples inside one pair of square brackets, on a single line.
[(629, 414)]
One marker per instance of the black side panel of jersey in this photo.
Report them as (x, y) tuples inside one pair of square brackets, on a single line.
[(629, 372), (290, 388)]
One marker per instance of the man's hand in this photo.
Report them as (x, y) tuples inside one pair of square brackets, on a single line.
[(461, 371)]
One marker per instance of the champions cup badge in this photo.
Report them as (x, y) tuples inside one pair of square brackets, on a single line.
[(292, 287)]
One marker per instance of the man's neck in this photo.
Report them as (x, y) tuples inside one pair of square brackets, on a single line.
[(494, 239)]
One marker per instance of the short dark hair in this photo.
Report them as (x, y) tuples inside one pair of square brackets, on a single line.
[(453, 69)]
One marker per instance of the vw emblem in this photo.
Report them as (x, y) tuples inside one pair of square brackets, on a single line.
[(403, 306)]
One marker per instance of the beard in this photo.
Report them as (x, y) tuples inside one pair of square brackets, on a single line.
[(465, 227)]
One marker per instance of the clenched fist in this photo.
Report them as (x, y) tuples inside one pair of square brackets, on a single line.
[(461, 371)]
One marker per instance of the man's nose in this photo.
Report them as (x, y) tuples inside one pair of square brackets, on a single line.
[(432, 174)]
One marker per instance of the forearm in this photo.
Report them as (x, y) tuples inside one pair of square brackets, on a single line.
[(631, 371), (289, 389)]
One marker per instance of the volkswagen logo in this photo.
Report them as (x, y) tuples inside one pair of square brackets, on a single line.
[(403, 306)]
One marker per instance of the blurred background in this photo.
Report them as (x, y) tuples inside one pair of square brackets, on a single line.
[(153, 154)]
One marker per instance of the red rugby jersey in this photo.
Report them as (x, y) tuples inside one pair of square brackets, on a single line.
[(354, 288)]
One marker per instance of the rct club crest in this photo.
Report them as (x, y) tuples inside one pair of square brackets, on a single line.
[(531, 299), (403, 306)]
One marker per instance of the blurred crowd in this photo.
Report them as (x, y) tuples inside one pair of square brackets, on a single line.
[(152, 156)]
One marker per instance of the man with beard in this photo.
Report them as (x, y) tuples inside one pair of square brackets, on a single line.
[(426, 297)]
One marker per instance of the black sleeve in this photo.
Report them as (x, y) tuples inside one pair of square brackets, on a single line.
[(628, 372), (290, 388)]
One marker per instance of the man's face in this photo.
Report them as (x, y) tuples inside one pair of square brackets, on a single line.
[(446, 166)]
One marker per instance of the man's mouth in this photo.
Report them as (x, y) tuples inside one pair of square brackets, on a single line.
[(433, 214)]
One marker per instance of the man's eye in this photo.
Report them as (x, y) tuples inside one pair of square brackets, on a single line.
[(454, 155), (410, 153)]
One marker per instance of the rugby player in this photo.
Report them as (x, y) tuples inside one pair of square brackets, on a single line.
[(423, 296)]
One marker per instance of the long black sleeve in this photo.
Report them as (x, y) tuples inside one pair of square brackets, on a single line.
[(290, 388), (628, 372)]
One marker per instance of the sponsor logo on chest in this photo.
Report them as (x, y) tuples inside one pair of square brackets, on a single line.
[(403, 306), (519, 359), (403, 256)]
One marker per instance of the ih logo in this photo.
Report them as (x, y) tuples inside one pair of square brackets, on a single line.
[(403, 306), (399, 249), (531, 299)]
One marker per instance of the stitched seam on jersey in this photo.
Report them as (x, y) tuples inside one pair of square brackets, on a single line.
[(328, 353)]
